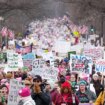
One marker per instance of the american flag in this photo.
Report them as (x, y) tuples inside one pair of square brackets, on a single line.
[(23, 50), (4, 31)]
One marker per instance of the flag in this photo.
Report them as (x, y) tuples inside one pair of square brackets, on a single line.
[(4, 31), (11, 34), (23, 50)]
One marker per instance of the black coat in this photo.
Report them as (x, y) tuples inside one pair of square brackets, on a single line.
[(42, 98)]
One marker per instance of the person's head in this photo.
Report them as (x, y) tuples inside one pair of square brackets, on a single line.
[(62, 79), (9, 75), (37, 79), (95, 77), (72, 78), (82, 85), (24, 92), (66, 87), (4, 90), (28, 83)]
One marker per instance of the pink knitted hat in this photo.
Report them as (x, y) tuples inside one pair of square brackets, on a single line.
[(24, 92)]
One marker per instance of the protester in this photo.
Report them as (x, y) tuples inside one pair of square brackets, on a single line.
[(101, 98), (97, 84), (65, 96), (73, 82), (84, 94), (25, 97), (3, 94), (39, 95)]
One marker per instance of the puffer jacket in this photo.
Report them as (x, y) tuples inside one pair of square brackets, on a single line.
[(26, 101), (100, 99)]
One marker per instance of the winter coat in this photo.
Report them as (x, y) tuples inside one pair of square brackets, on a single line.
[(42, 98), (26, 101), (68, 99), (100, 99), (86, 97), (54, 93)]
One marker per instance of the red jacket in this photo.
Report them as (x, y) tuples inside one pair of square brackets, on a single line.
[(66, 98)]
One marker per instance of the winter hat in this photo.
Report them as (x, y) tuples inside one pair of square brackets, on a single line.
[(38, 77), (82, 82), (24, 92), (66, 85), (95, 75)]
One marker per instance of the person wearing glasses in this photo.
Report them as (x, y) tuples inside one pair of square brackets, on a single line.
[(39, 95)]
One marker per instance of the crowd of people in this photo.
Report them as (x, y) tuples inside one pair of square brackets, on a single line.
[(70, 89)]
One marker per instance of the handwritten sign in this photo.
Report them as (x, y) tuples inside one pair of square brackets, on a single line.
[(94, 52), (81, 64), (49, 73), (38, 64), (100, 65), (12, 59), (15, 86), (27, 63)]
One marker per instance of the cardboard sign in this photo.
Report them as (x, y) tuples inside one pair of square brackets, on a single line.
[(12, 59), (81, 64), (94, 52), (100, 66), (15, 86)]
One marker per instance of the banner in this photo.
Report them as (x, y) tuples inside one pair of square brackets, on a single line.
[(81, 64), (100, 66), (12, 59), (23, 50), (94, 52), (15, 86)]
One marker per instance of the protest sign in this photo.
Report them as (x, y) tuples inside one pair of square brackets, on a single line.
[(3, 57), (29, 56), (80, 63), (100, 66), (27, 63), (94, 52), (48, 73), (71, 52), (12, 59), (38, 64), (28, 59), (15, 86)]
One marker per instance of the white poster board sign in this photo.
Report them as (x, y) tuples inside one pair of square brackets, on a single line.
[(100, 66), (12, 59), (81, 64), (15, 86)]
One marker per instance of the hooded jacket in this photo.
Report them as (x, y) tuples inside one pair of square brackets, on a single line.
[(26, 101)]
